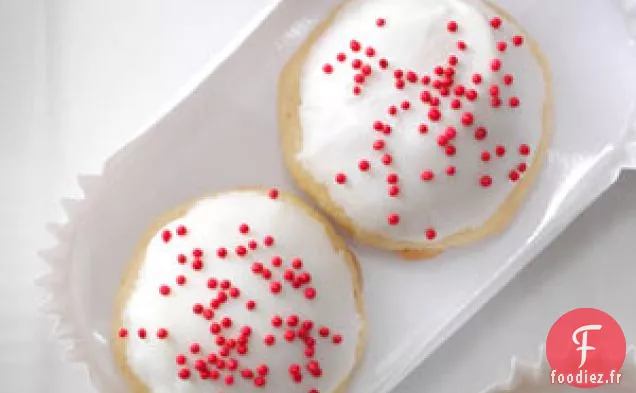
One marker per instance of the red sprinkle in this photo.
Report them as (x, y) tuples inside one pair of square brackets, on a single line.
[(275, 287), (517, 40), (384, 64), (393, 219), (221, 252), (514, 176), (297, 263), (182, 259), (450, 170), (181, 360), (182, 230), (366, 70), (452, 26), (411, 76), (162, 334), (355, 45), (485, 181), (250, 305), (481, 133), (164, 290), (197, 253), (364, 165), (195, 348), (471, 95), (500, 151), (461, 45), (485, 156), (434, 114), (522, 167), (387, 159), (495, 65), (508, 79), (241, 251), (392, 110), (336, 339), (273, 193), (524, 150), (378, 144), (197, 265), (495, 22), (450, 150), (184, 373), (341, 178), (356, 64), (502, 46), (392, 178), (123, 333), (197, 308), (327, 68), (494, 90), (181, 280), (477, 79), (370, 52), (426, 80), (468, 119), (427, 175), (456, 104), (423, 128), (341, 57), (405, 105), (268, 241), (380, 22), (310, 293), (166, 235), (514, 102)]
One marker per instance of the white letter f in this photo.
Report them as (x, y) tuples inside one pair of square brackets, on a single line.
[(583, 344)]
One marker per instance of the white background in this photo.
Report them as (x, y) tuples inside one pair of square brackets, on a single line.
[(107, 68)]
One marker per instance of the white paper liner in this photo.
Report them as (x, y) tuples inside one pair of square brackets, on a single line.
[(381, 370), (536, 378)]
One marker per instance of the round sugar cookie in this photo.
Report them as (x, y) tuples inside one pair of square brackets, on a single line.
[(243, 291)]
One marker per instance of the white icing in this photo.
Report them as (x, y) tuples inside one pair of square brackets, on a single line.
[(213, 223), (337, 126)]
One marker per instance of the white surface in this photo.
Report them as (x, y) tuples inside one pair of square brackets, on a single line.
[(515, 321)]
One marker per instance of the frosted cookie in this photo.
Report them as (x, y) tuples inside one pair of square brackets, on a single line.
[(416, 124), (245, 291)]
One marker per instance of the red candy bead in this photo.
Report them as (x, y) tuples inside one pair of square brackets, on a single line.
[(427, 175), (485, 181), (162, 334)]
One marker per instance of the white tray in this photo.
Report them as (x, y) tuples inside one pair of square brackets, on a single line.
[(224, 134)]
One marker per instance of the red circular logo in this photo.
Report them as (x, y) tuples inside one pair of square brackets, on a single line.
[(586, 348)]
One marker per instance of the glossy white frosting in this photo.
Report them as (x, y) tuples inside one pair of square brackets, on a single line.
[(212, 223), (337, 126)]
